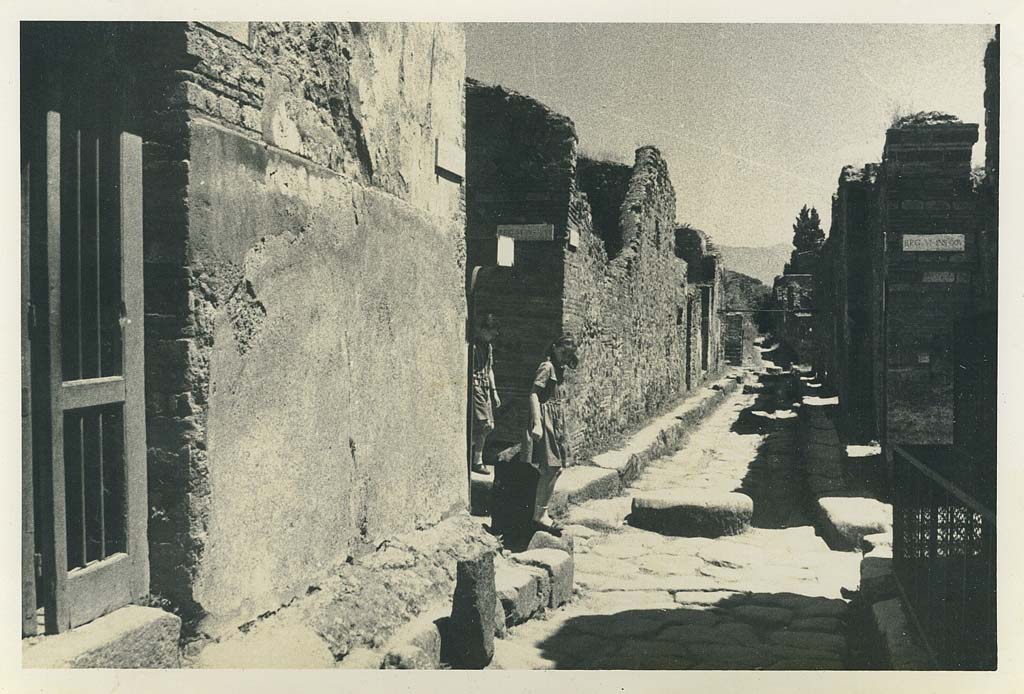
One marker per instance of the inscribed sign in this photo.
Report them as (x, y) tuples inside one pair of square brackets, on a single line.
[(933, 242)]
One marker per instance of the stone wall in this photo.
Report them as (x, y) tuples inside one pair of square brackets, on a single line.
[(848, 290), (624, 311), (793, 294), (608, 272), (304, 295)]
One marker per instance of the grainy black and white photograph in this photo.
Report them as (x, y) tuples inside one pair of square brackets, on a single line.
[(509, 346)]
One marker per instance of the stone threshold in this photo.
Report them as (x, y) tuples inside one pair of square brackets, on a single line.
[(129, 637)]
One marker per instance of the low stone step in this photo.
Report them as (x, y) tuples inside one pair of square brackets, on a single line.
[(131, 637), (692, 513)]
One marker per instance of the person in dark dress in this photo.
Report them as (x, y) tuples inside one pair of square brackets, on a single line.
[(545, 444), (485, 392)]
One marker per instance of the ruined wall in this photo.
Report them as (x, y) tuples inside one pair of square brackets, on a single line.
[(605, 184), (627, 310), (305, 303), (520, 161), (930, 217), (794, 295), (705, 352), (624, 311)]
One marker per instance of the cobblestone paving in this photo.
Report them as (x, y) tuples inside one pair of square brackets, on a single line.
[(768, 598)]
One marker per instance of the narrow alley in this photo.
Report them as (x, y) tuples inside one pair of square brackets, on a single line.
[(769, 597), (465, 346)]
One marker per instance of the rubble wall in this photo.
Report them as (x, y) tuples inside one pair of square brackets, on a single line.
[(624, 311)]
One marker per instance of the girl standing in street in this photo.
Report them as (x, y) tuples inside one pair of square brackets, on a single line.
[(545, 444)]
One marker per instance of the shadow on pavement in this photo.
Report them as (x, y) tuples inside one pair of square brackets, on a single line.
[(775, 480), (742, 631)]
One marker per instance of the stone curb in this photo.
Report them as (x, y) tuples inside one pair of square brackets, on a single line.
[(666, 433), (843, 517), (899, 650)]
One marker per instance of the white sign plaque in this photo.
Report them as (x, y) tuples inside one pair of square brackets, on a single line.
[(506, 252), (939, 277), (528, 232), (933, 242), (451, 158)]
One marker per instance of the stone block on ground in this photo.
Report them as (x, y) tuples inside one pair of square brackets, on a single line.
[(523, 590), (131, 637), (692, 513), (893, 632), (559, 567), (471, 627), (846, 520)]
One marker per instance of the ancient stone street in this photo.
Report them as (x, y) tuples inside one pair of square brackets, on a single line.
[(767, 597)]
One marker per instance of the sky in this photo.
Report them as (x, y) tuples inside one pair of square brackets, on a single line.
[(754, 120)]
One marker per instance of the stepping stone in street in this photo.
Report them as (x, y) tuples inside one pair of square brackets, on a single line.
[(692, 513)]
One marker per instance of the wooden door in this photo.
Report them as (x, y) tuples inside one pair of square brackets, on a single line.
[(86, 176)]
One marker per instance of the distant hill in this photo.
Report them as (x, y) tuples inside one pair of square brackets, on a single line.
[(742, 291), (761, 262)]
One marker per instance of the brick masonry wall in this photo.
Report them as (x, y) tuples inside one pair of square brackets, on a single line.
[(305, 303), (925, 189), (520, 163)]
